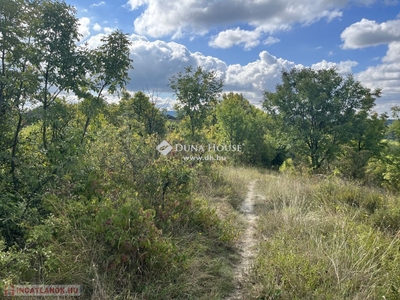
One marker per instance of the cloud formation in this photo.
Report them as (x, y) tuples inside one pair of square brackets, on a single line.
[(368, 33), (101, 3), (386, 75), (156, 61), (393, 53), (343, 68), (228, 38), (177, 18), (83, 28), (97, 27), (271, 40)]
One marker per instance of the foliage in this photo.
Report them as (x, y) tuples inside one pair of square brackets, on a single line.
[(197, 91), (108, 68), (367, 143), (86, 197), (394, 128), (115, 219), (317, 108), (384, 171), (140, 109), (241, 123)]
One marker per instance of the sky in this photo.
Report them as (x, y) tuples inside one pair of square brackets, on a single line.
[(249, 42)]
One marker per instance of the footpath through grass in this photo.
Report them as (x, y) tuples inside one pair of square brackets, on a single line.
[(322, 239)]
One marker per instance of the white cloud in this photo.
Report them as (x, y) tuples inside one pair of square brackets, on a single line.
[(229, 38), (369, 33), (156, 61), (83, 27), (167, 18), (108, 30), (97, 27), (386, 77), (393, 53), (391, 2), (101, 3), (253, 78), (271, 40), (95, 40), (135, 4), (344, 67)]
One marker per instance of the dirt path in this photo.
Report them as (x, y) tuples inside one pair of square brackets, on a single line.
[(246, 243)]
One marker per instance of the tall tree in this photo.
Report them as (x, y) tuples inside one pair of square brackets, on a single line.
[(18, 78), (394, 128), (232, 115), (55, 45), (139, 108), (368, 132), (111, 63), (243, 124), (197, 91), (317, 109)]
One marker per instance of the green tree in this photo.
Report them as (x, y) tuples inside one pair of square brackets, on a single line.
[(197, 91), (139, 108), (232, 114), (368, 132), (54, 54), (317, 109), (241, 123), (109, 70), (18, 79), (394, 128)]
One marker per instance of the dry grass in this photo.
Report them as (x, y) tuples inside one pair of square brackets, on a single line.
[(314, 243)]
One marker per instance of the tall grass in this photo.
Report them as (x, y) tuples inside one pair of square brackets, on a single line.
[(323, 239)]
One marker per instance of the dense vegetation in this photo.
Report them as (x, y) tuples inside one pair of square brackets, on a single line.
[(86, 198)]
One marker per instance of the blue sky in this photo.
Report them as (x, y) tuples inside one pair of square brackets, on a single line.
[(248, 43)]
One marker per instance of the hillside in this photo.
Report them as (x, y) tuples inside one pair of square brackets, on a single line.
[(317, 239)]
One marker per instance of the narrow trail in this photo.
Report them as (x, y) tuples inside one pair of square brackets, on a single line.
[(246, 244)]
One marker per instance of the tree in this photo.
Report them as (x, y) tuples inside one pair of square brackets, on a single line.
[(139, 108), (17, 79), (368, 132), (37, 64), (317, 109), (232, 114), (243, 124), (197, 92), (394, 128), (111, 63), (54, 54)]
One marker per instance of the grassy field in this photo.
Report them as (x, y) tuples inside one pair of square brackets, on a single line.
[(314, 238), (322, 238)]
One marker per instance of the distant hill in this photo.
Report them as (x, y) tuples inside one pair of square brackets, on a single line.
[(389, 122), (171, 114)]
